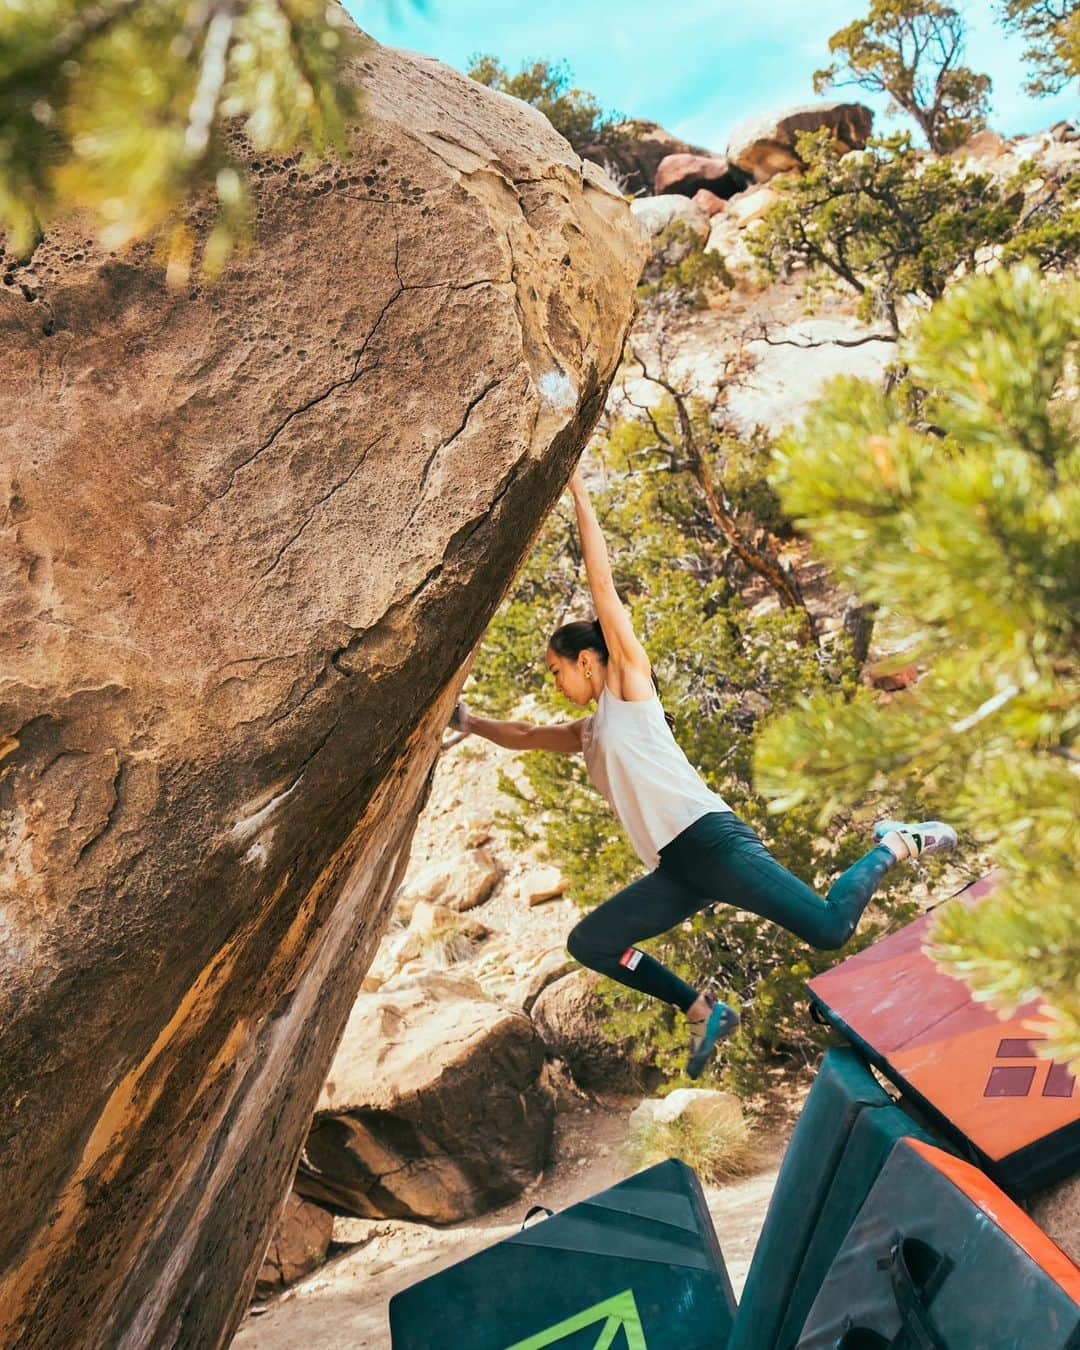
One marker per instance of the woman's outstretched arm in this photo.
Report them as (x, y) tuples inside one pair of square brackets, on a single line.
[(624, 648), (564, 736)]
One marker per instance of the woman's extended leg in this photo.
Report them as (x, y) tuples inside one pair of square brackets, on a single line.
[(604, 939), (721, 856)]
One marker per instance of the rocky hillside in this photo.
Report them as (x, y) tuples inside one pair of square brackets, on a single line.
[(252, 533)]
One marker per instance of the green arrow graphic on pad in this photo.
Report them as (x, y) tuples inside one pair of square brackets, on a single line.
[(618, 1311)]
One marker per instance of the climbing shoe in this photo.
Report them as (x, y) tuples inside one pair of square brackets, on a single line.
[(706, 1035), (927, 836)]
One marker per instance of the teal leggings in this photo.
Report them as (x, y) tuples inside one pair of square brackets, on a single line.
[(719, 857)]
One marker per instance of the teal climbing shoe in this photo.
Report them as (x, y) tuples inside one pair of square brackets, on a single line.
[(721, 1022)]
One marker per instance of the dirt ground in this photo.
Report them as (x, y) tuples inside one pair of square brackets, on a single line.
[(343, 1306)]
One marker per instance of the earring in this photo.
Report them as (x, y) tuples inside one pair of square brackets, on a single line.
[(588, 673)]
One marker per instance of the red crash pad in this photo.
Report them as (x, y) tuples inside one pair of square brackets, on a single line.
[(980, 1076)]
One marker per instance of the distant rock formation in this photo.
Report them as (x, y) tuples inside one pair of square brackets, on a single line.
[(688, 174), (634, 152), (764, 146), (252, 533)]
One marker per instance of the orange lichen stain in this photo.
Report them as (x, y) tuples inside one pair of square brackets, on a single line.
[(130, 1102), (133, 1098)]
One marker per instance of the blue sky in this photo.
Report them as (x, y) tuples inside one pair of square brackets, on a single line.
[(695, 66)]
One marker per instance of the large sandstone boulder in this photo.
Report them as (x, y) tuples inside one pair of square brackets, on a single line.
[(252, 532), (573, 1025), (433, 1109), (635, 152), (764, 146)]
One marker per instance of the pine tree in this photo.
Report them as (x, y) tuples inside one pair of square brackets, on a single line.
[(121, 108), (912, 50), (573, 112), (964, 528), (1051, 29)]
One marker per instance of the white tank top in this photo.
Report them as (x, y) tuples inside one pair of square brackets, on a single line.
[(635, 761)]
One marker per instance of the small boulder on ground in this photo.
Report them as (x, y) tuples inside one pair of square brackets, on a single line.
[(701, 1106), (705, 1128), (765, 146), (298, 1246), (572, 1022), (460, 882), (709, 202), (542, 884), (686, 174), (552, 966), (433, 1109), (657, 214)]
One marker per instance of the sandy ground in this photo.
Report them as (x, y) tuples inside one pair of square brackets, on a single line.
[(343, 1306)]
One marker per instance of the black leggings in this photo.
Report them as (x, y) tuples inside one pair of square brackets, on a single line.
[(719, 857)]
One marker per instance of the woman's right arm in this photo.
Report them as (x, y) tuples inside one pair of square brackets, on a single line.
[(562, 736)]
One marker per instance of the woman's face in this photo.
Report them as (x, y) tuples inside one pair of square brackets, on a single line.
[(569, 675)]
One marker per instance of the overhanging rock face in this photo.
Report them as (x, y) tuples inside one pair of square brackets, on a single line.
[(250, 535)]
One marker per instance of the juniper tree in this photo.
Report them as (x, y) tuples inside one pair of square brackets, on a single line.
[(889, 223), (120, 108), (912, 50), (574, 113), (969, 536), (1051, 29)]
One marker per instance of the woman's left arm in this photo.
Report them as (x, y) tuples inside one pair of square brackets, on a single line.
[(624, 648)]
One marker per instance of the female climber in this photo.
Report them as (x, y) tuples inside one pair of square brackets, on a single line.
[(698, 849)]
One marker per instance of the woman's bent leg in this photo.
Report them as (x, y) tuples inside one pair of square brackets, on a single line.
[(732, 864), (604, 939)]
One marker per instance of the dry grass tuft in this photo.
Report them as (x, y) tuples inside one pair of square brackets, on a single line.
[(719, 1149)]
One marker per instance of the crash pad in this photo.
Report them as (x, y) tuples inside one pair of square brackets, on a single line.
[(844, 1133), (635, 1267), (979, 1077), (940, 1258)]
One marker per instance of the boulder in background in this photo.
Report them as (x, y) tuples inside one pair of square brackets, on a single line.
[(765, 146), (433, 1109), (687, 174), (299, 1246)]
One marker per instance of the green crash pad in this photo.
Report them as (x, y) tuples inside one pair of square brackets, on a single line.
[(940, 1258), (636, 1267), (843, 1135)]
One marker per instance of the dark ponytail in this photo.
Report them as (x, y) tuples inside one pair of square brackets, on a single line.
[(586, 635)]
